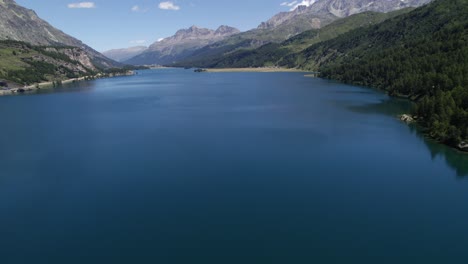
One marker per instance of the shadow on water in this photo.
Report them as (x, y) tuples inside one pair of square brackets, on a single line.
[(455, 159), (81, 86), (392, 107)]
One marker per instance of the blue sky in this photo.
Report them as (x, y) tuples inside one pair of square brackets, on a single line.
[(109, 24)]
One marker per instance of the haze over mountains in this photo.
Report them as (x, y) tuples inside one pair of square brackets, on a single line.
[(172, 49), (121, 55), (187, 46)]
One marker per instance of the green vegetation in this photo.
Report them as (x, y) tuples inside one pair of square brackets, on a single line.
[(23, 63), (419, 54), (422, 55), (56, 55), (242, 55), (208, 55), (123, 70), (9, 57)]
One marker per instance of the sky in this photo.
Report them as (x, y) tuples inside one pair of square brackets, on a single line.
[(111, 24)]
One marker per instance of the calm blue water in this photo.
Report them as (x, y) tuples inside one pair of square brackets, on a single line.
[(171, 166)]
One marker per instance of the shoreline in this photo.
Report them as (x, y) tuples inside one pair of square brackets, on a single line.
[(57, 83), (262, 69), (409, 119), (461, 148)]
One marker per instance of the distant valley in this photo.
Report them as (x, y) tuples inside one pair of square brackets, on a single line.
[(190, 46), (416, 53), (417, 49), (335, 132), (124, 54)]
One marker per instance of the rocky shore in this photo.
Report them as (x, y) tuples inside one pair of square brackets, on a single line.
[(409, 119), (463, 146)]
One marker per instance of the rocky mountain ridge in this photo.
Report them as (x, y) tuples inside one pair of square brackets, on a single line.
[(196, 33), (279, 54), (21, 24), (320, 12), (22, 63), (181, 44), (276, 30)]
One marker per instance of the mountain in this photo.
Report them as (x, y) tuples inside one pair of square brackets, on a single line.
[(276, 30), (275, 54), (422, 55), (181, 45), (321, 11), (298, 20), (289, 24), (22, 24), (121, 55), (22, 63)]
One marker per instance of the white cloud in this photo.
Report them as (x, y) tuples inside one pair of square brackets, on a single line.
[(295, 4), (168, 6), (290, 4), (82, 5), (138, 41), (137, 8), (160, 39)]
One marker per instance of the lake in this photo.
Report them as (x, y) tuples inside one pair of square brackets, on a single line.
[(172, 166)]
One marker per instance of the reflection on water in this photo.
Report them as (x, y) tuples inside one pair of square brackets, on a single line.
[(178, 167), (80, 86), (454, 158), (386, 106)]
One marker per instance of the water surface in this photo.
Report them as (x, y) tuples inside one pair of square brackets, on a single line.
[(170, 166)]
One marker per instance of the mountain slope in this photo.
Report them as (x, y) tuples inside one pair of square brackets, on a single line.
[(276, 30), (423, 55), (23, 63), (121, 55), (22, 24), (181, 45), (288, 24), (320, 9), (274, 54)]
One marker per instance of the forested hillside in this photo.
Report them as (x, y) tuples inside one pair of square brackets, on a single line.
[(422, 54), (273, 54), (24, 64)]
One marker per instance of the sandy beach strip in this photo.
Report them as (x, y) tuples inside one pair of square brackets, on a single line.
[(253, 70)]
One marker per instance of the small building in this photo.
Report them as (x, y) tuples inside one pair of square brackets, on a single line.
[(3, 84)]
